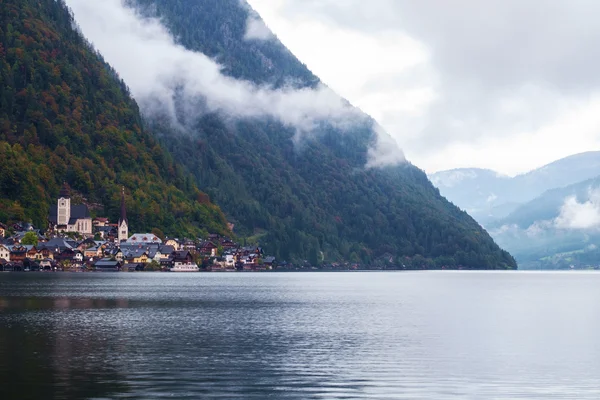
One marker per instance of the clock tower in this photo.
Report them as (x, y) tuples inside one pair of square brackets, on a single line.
[(64, 206)]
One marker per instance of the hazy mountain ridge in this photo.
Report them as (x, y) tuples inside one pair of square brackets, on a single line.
[(559, 226), (490, 196)]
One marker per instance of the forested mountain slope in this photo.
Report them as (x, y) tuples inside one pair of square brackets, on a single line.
[(311, 199), (65, 116)]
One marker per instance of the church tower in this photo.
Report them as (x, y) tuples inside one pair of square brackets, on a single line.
[(64, 206), (123, 226)]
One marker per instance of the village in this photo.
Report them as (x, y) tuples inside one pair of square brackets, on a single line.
[(76, 242)]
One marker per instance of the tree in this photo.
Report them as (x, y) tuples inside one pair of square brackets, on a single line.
[(152, 266), (158, 233), (30, 238)]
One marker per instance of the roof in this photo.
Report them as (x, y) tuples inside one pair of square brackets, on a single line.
[(143, 238), (106, 263), (166, 249), (59, 243), (181, 255), (134, 253), (79, 211)]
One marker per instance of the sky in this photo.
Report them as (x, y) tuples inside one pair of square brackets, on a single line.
[(508, 85)]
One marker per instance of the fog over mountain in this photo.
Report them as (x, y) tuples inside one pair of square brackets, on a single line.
[(159, 72)]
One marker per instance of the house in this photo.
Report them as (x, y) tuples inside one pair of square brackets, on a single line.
[(229, 261), (18, 253), (183, 257), (92, 252), (44, 253), (166, 250), (65, 217), (106, 265), (100, 222), (269, 261), (2, 231), (228, 244), (4, 253), (189, 245), (47, 264), (173, 243), (136, 256), (143, 238), (106, 232), (208, 248)]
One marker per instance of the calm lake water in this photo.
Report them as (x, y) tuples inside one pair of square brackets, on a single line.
[(403, 335)]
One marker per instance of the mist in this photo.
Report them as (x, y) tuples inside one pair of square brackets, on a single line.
[(580, 215), (160, 72)]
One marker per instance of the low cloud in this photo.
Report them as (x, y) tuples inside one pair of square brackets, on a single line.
[(162, 74), (256, 29), (385, 151), (577, 215)]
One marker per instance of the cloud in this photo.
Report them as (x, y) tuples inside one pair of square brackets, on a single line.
[(385, 151), (256, 29), (162, 74), (492, 76), (576, 215)]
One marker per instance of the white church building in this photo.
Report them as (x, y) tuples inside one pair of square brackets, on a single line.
[(65, 217)]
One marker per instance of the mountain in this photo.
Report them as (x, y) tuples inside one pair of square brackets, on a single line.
[(489, 196), (559, 228), (476, 191), (65, 116), (304, 194)]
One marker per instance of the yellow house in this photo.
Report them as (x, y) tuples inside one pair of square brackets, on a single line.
[(173, 243), (142, 259)]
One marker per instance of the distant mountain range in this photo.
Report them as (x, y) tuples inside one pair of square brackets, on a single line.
[(548, 218)]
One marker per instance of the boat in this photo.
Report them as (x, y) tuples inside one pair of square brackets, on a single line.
[(184, 267)]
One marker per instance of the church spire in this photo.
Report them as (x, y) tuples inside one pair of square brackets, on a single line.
[(65, 191), (123, 211), (123, 229)]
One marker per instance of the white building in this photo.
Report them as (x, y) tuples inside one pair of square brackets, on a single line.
[(70, 218), (4, 252)]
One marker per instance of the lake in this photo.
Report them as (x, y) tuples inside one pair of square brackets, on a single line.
[(354, 335)]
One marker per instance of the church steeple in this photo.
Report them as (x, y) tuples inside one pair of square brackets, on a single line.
[(65, 191), (123, 224), (123, 210)]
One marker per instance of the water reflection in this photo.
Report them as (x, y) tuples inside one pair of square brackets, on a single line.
[(299, 336), (15, 304), (46, 361)]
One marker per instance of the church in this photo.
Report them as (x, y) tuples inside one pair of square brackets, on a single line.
[(123, 226), (65, 217)]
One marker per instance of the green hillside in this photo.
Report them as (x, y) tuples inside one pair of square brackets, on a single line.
[(316, 201), (66, 116)]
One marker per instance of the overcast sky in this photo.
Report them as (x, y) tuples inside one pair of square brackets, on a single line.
[(508, 85)]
